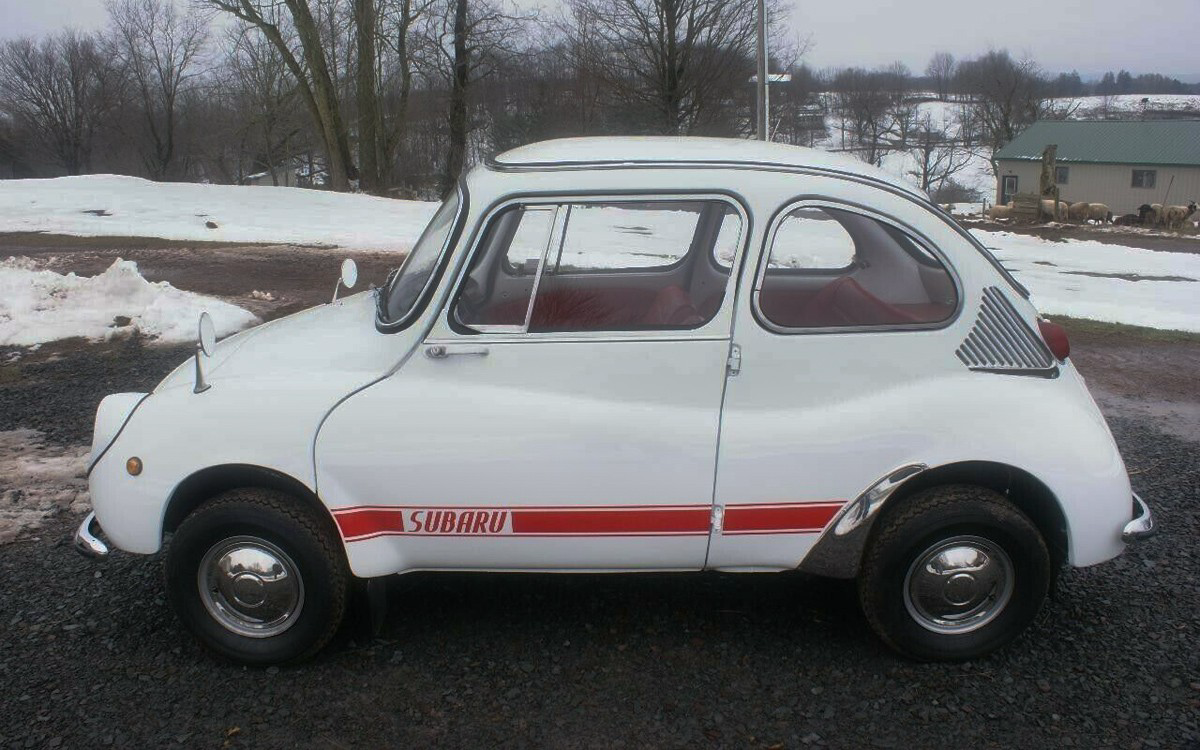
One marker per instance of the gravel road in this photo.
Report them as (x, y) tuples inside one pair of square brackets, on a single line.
[(90, 654)]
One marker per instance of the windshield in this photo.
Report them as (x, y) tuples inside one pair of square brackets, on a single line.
[(406, 285)]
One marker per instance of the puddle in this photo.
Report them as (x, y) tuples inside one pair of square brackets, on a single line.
[(38, 481)]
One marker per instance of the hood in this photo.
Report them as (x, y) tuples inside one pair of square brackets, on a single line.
[(334, 337)]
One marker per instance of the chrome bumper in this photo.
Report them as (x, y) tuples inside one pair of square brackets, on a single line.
[(87, 543), (1142, 524)]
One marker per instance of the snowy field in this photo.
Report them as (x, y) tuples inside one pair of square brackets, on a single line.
[(116, 206), (1099, 281)]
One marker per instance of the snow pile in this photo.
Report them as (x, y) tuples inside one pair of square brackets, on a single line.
[(115, 206), (1098, 281), (40, 306), (39, 480)]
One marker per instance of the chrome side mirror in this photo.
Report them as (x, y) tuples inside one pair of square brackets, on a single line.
[(348, 277), (206, 344)]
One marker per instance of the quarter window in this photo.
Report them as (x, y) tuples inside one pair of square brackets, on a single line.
[(1144, 178), (832, 268), (616, 266)]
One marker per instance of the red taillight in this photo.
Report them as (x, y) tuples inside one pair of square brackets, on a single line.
[(1055, 337)]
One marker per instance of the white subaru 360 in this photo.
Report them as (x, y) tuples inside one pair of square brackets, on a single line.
[(635, 354)]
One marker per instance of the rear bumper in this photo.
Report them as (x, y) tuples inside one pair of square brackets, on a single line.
[(1142, 524), (87, 540)]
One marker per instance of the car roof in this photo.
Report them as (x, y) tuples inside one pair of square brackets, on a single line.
[(634, 151)]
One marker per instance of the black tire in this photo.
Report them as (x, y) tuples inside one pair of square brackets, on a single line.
[(975, 516), (310, 548)]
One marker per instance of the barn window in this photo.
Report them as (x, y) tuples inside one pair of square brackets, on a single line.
[(1062, 175), (1144, 178)]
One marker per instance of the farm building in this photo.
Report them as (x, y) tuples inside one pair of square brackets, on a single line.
[(1119, 163)]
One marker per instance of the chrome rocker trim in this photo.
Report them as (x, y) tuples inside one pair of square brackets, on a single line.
[(87, 541), (838, 553), (1142, 524)]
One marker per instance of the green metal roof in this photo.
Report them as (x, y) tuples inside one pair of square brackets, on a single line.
[(1162, 142)]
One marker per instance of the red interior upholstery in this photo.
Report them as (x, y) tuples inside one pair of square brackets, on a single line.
[(597, 309), (842, 302)]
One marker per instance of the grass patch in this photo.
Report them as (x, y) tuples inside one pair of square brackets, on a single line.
[(1101, 328)]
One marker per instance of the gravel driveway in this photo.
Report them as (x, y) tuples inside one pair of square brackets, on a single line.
[(90, 654)]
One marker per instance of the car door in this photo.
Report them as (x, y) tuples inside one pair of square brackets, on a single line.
[(563, 412), (842, 336)]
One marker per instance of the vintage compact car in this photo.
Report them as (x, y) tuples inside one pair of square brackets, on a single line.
[(633, 354)]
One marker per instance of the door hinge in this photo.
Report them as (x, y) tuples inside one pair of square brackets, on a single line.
[(734, 364), (718, 518)]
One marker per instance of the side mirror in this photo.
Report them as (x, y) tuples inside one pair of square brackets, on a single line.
[(208, 334), (348, 278), (206, 344)]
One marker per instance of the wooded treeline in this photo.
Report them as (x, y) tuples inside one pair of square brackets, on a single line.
[(398, 96)]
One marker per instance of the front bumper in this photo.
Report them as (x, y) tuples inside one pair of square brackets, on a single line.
[(87, 540), (1142, 524)]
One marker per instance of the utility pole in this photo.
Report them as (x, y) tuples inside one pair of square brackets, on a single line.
[(763, 132)]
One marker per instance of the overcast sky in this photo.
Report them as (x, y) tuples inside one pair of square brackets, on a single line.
[(1091, 36)]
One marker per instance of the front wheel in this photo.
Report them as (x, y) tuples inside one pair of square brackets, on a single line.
[(954, 573), (257, 577)]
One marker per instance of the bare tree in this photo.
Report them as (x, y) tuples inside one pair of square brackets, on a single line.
[(1009, 94), (291, 27), (872, 106), (937, 153), (157, 48), (941, 71), (60, 89), (681, 61), (468, 41)]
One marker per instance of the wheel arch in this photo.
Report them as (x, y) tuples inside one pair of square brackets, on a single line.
[(1024, 490), (208, 482), (841, 555)]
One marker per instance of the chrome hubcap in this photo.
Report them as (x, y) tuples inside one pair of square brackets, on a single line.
[(958, 585), (250, 586)]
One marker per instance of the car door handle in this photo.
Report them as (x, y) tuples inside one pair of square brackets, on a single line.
[(442, 352)]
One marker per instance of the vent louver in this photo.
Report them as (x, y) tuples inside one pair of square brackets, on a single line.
[(1000, 341)]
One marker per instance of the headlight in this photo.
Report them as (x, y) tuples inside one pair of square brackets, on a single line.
[(112, 414)]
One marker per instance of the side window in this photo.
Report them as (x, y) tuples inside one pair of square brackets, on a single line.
[(831, 268), (604, 266)]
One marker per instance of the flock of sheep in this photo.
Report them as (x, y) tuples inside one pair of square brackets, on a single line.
[(1148, 214)]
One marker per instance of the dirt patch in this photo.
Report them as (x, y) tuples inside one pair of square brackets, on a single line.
[(38, 481), (1109, 235), (1123, 276)]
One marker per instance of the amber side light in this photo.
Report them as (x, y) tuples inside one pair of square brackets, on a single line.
[(134, 466)]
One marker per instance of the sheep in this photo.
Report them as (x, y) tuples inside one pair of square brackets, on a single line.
[(1047, 209), (1000, 212), (1174, 216), (1077, 212), (1156, 212), (1099, 213), (1127, 220)]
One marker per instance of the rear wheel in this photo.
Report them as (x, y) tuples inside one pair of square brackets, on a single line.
[(954, 573), (258, 577)]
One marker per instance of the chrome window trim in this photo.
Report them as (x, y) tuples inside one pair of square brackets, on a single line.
[(425, 297), (703, 333), (871, 213)]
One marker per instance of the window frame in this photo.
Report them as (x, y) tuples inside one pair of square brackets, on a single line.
[(1153, 179), (559, 201), (823, 202)]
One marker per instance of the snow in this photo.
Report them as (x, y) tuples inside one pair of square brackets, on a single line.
[(41, 480), (1099, 281), (40, 306), (116, 206)]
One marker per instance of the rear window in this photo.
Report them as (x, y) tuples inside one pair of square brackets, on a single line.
[(833, 268)]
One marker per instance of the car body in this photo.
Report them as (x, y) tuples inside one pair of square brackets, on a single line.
[(643, 354)]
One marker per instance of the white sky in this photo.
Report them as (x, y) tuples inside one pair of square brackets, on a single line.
[(1091, 37)]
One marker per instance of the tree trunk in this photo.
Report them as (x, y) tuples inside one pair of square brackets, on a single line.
[(367, 94), (459, 81)]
